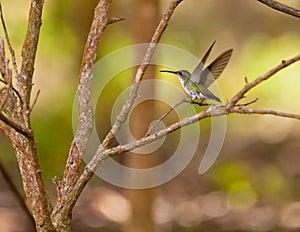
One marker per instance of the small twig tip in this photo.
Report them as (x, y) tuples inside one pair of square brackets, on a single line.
[(114, 20)]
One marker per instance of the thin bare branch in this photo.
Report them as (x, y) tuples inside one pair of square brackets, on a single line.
[(114, 20), (5, 71), (191, 102), (11, 50), (24, 82), (15, 91), (3, 60), (35, 100), (281, 7), (164, 116), (4, 99), (212, 111), (248, 103), (249, 85), (8, 85), (85, 113), (15, 126), (121, 118), (243, 110), (85, 108)]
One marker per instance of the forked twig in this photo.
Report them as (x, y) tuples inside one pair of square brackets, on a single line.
[(250, 85), (6, 72), (165, 115), (248, 103), (114, 20), (15, 91), (99, 156), (11, 50), (187, 100), (122, 116)]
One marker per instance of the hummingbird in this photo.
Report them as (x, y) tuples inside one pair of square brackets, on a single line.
[(196, 83)]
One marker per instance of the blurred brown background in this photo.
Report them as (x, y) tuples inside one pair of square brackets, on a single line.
[(253, 186)]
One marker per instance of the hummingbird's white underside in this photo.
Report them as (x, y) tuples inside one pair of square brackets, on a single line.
[(191, 91)]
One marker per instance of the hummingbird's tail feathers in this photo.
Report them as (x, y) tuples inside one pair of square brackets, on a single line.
[(209, 95), (196, 73), (215, 69)]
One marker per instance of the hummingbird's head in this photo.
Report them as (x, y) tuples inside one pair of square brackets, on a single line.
[(181, 74)]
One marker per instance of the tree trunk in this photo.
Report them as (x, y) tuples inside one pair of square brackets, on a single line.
[(145, 21)]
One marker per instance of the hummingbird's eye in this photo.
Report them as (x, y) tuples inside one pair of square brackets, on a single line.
[(180, 73)]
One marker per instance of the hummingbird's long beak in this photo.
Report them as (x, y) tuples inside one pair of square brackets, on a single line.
[(168, 71)]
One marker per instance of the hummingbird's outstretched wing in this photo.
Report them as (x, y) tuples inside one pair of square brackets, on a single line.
[(196, 73), (214, 70)]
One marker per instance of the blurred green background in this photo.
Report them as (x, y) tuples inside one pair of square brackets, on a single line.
[(253, 186)]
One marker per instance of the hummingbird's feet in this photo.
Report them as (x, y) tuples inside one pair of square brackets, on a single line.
[(199, 103), (203, 103)]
